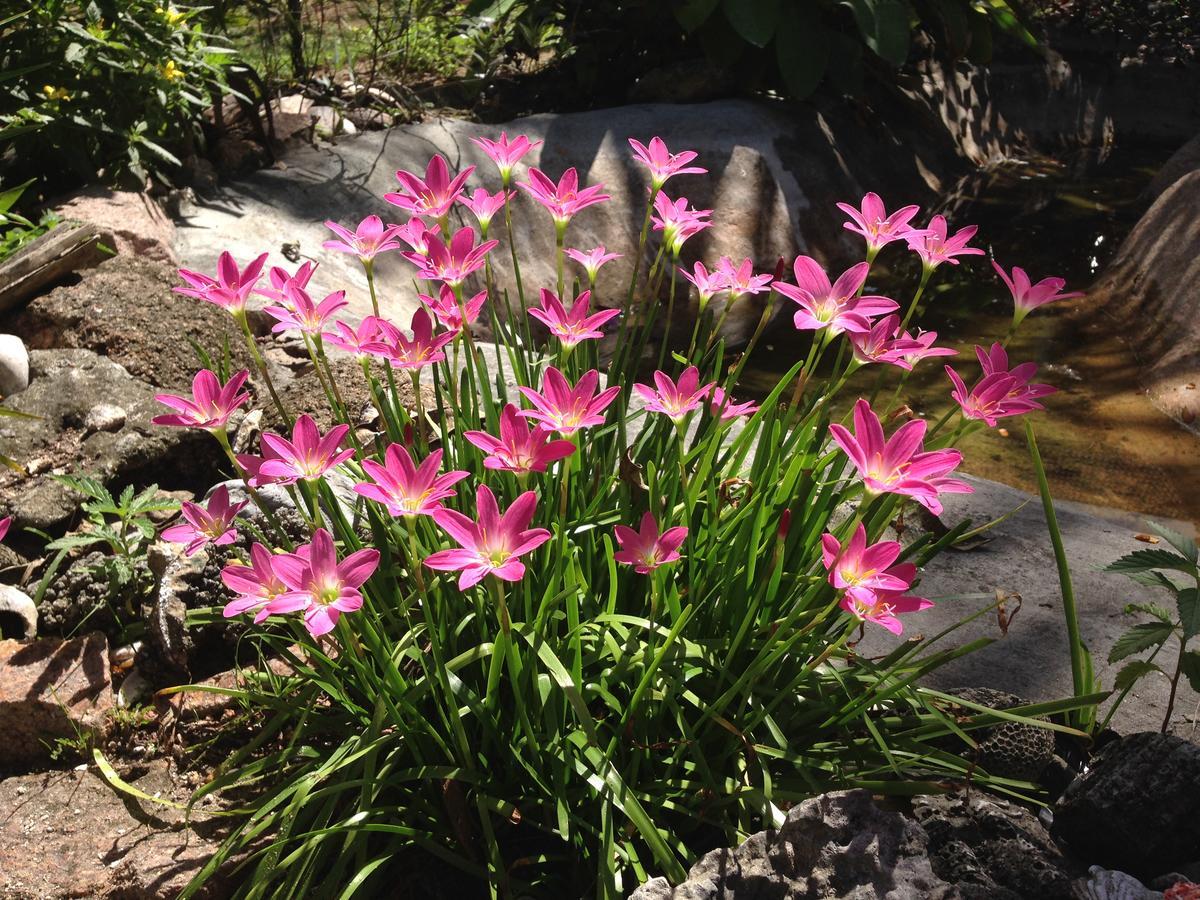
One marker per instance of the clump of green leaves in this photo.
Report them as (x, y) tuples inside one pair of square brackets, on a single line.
[(15, 230), (120, 525), (103, 87), (1161, 568)]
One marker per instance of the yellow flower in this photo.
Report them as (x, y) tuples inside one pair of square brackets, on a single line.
[(171, 14), (172, 72), (56, 93)]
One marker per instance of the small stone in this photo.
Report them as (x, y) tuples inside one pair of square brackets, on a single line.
[(134, 690), (105, 417), (14, 365), (1104, 884), (18, 614)]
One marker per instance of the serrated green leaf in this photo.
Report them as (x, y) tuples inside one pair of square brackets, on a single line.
[(1139, 638), (1189, 611), (1180, 542), (1153, 578), (755, 20), (1131, 672), (1141, 560), (1151, 609), (801, 51), (1189, 665)]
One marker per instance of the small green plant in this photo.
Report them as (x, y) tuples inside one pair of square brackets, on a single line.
[(1160, 568), (15, 230), (122, 526)]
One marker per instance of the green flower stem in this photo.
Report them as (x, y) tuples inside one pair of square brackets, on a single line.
[(223, 439), (369, 268), (261, 363), (926, 272)]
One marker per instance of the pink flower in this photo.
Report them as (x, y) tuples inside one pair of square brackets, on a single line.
[(924, 349), (863, 570), (432, 195), (202, 526), (279, 278), (308, 455), (230, 289), (880, 344), (422, 349), (565, 199), (256, 585), (5, 524), (592, 260), (211, 405), (723, 406), (898, 465), (999, 393), (662, 163), (519, 448), (454, 263), (834, 306), (708, 284), (678, 221), (646, 549), (883, 607), (494, 545), (318, 585), (368, 240), (1028, 296), (417, 235), (505, 153), (741, 280), (404, 488), (575, 326), (252, 466), (366, 340), (676, 400), (485, 205), (300, 312), (566, 409), (935, 248), (873, 222), (445, 307)]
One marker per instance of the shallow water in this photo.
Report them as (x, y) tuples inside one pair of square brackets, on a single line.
[(1102, 440)]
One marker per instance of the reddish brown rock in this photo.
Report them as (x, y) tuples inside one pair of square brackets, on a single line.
[(51, 689), (132, 224)]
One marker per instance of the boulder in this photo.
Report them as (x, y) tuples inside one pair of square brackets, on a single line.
[(50, 689), (14, 365), (1183, 161), (66, 386), (131, 223), (1152, 291), (1138, 808)]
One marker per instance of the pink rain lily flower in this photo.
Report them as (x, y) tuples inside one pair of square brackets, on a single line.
[(564, 200), (422, 349), (872, 221), (505, 153), (5, 524), (646, 549), (575, 326), (367, 241), (230, 289), (279, 278), (741, 280), (676, 400), (592, 260), (256, 585), (897, 465), (834, 306), (1028, 296), (519, 449), (1000, 392), (723, 406), (308, 455), (318, 585), (211, 405), (252, 465), (567, 409), (707, 284), (366, 340), (417, 235), (202, 525), (880, 344), (935, 248), (433, 195), (446, 309), (299, 311), (485, 205), (678, 221), (861, 569), (924, 349), (662, 163), (491, 546), (407, 489), (452, 264), (883, 608)]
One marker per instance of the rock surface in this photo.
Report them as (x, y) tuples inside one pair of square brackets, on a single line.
[(1138, 808), (70, 834), (18, 615), (50, 689), (14, 365), (132, 224)]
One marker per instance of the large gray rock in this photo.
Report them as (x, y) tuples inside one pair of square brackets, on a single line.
[(1137, 808)]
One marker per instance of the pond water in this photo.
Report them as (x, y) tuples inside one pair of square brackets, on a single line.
[(1101, 439)]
